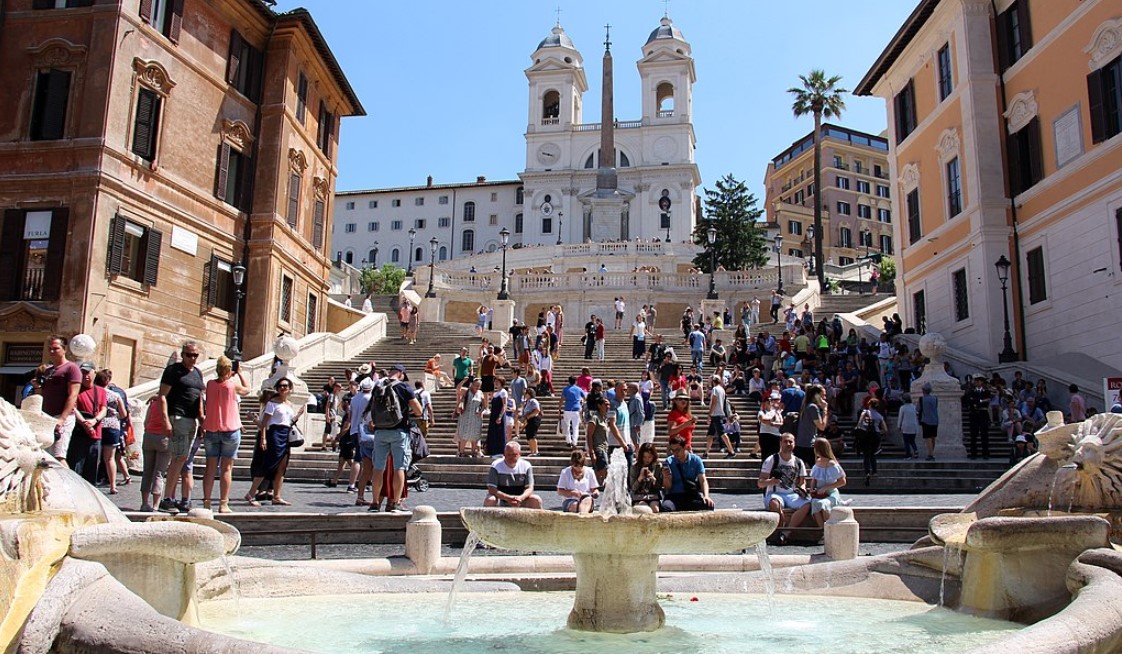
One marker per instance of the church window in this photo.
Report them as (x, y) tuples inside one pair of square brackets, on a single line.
[(590, 162), (664, 98), (519, 195), (467, 242), (551, 108), (624, 162), (469, 212)]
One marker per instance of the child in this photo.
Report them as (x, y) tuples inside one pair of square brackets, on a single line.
[(732, 428), (908, 422)]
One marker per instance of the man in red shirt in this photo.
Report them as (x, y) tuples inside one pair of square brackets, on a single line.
[(60, 392)]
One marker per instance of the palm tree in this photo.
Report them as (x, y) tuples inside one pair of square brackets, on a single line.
[(820, 96)]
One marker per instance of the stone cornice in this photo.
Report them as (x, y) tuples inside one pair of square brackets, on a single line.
[(153, 75), (57, 53), (1105, 44), (1022, 109)]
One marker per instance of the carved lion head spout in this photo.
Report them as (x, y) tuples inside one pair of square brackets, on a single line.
[(1098, 462), (21, 454)]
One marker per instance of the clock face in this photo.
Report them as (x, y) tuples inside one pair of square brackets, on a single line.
[(549, 154)]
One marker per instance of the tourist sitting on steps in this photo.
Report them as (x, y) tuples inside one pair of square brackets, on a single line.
[(576, 486), (783, 479), (510, 481), (683, 480)]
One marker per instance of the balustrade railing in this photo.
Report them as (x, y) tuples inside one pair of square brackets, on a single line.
[(32, 287)]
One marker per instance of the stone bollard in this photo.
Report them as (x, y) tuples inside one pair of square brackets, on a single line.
[(842, 534), (422, 539)]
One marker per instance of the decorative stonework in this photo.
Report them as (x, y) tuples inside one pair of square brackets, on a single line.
[(237, 134), (57, 53), (1106, 43), (909, 176), (25, 317), (949, 144), (321, 188), (153, 75), (297, 161), (977, 9), (1022, 109)]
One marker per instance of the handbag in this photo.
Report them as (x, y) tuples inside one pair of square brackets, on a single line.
[(295, 437)]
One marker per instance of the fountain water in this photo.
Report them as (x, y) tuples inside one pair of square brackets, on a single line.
[(614, 499), (470, 544), (769, 575)]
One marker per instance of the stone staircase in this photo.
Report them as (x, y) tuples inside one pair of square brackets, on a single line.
[(444, 468)]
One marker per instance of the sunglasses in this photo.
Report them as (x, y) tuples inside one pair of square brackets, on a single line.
[(190, 355), (280, 386)]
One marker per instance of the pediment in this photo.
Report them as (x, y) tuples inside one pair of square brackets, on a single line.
[(551, 65), (663, 55), (27, 317)]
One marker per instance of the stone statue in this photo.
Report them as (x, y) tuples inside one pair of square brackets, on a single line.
[(22, 460)]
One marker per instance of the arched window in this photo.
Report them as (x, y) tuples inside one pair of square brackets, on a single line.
[(443, 254), (418, 254), (491, 247), (624, 162), (372, 256), (551, 108), (395, 255), (469, 212), (519, 195), (349, 257), (590, 162), (664, 99), (518, 223), (467, 241)]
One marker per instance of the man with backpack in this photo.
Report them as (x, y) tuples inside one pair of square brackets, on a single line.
[(389, 413)]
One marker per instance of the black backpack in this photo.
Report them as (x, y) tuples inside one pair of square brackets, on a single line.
[(385, 409)]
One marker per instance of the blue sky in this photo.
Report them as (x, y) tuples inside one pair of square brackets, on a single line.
[(443, 85)]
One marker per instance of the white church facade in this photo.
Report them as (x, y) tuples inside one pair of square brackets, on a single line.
[(557, 198)]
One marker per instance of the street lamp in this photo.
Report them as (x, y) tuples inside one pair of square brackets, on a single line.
[(374, 263), (668, 220), (412, 236), (560, 215), (1008, 354), (504, 234), (234, 352), (711, 236), (432, 266), (778, 264)]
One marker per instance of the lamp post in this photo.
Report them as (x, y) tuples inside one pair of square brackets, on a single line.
[(778, 264), (560, 224), (711, 236), (432, 266), (668, 221), (866, 238), (504, 234), (374, 263), (234, 352), (412, 236), (1008, 354)]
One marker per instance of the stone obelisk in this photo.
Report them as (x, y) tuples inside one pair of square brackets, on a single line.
[(607, 205)]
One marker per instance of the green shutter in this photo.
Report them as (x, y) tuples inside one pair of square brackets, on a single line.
[(56, 254), (153, 241), (115, 259)]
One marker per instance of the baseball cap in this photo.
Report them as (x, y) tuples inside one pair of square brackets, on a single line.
[(1020, 439), (87, 366), (366, 384), (400, 367)]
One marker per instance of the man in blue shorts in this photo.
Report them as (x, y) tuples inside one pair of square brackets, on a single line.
[(394, 440), (783, 480)]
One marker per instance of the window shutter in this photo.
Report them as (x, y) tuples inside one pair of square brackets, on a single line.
[(144, 127), (1016, 174), (115, 260), (223, 171), (1024, 25), (152, 256), (234, 61), (56, 254), (210, 283), (246, 172), (43, 4), (317, 226), (1095, 105), (146, 10), (11, 240), (1002, 29), (176, 21), (293, 199), (302, 98), (1036, 153)]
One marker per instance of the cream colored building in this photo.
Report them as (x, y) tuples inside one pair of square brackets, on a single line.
[(1006, 140)]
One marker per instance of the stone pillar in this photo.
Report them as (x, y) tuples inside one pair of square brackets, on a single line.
[(503, 317), (709, 306), (841, 534), (422, 539), (430, 310), (616, 593), (949, 393)]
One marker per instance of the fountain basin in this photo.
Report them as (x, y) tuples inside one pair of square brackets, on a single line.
[(616, 556)]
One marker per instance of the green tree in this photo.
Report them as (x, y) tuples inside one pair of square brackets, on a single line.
[(741, 241), (887, 269), (384, 281), (820, 96)]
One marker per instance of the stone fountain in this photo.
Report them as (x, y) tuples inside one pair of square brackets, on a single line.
[(616, 556)]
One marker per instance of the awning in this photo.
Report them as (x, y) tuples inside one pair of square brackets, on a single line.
[(16, 370)]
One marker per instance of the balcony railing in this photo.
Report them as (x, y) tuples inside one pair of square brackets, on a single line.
[(619, 124), (551, 121), (841, 165), (585, 281), (32, 286), (666, 113), (880, 175)]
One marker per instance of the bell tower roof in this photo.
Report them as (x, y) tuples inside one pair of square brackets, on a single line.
[(665, 30), (557, 39)]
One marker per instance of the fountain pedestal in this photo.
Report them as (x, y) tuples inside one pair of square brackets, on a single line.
[(616, 556)]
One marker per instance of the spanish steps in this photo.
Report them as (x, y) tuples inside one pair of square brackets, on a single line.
[(444, 468)]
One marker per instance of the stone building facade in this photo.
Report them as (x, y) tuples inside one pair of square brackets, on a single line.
[(146, 148), (1007, 142), (856, 195)]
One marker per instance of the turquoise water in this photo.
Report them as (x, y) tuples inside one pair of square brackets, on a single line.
[(534, 623)]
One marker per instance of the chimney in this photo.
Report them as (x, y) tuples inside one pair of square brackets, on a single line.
[(480, 179), (428, 182)]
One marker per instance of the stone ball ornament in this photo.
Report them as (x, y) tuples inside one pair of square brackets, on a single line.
[(82, 346), (286, 348), (933, 346)]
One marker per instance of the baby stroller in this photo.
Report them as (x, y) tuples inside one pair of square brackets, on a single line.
[(414, 478)]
